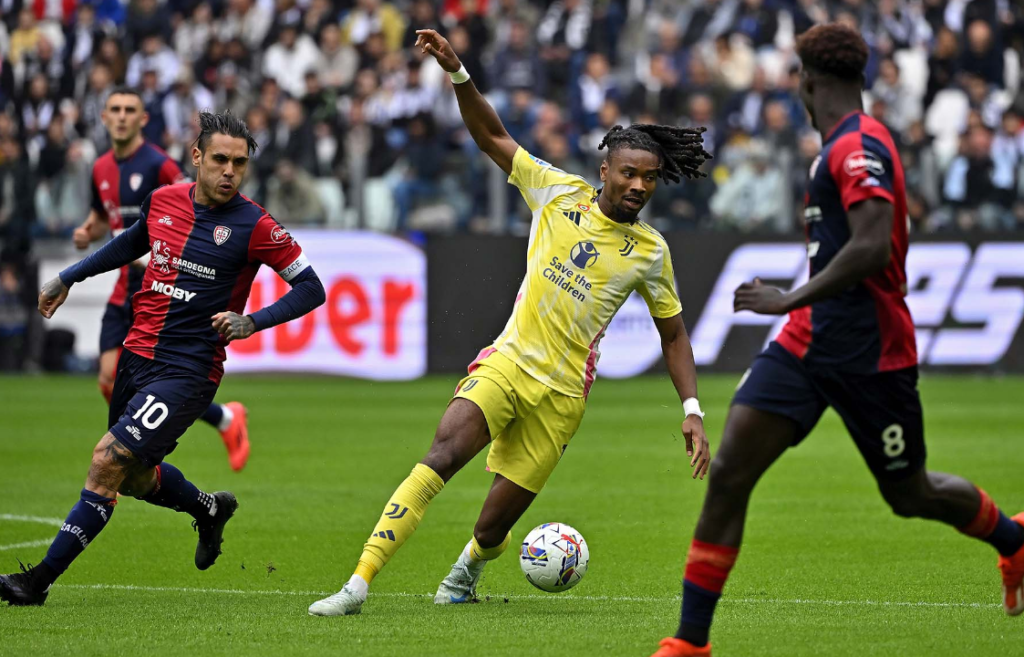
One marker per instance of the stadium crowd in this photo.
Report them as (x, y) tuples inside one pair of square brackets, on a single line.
[(355, 130)]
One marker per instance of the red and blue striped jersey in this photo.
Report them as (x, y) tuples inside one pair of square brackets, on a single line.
[(203, 262), (866, 328), (118, 189)]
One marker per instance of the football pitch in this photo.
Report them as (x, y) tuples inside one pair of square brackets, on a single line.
[(825, 569)]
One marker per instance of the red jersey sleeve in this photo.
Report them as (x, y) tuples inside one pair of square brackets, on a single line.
[(862, 168), (170, 173), (273, 246)]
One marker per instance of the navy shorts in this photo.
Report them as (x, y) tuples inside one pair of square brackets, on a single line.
[(117, 320), (882, 411), (153, 404)]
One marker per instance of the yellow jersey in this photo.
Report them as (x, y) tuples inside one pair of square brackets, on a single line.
[(581, 267)]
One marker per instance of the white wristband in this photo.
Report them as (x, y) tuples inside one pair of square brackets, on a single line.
[(459, 76), (692, 407)]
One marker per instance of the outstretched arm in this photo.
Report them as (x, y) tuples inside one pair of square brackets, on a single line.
[(122, 250), (675, 345), (482, 121)]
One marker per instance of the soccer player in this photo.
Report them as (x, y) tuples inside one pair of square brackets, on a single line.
[(526, 394), (207, 243), (121, 179), (849, 344)]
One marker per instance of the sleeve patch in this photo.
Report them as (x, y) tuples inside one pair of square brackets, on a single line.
[(863, 162)]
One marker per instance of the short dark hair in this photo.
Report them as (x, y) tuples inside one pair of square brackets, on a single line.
[(833, 49), (127, 91), (224, 124), (681, 150)]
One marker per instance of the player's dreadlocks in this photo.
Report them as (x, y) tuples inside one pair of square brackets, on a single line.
[(833, 49), (681, 150), (223, 124)]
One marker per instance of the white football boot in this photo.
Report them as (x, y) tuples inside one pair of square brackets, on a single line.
[(460, 585), (346, 602)]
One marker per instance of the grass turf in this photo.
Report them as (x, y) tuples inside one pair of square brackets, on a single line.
[(825, 567)]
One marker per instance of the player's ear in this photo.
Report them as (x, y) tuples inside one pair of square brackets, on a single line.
[(197, 156), (145, 119), (604, 171)]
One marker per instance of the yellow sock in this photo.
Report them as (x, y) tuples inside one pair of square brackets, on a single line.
[(477, 553), (399, 520)]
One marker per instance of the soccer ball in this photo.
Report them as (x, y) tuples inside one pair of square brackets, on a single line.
[(554, 557)]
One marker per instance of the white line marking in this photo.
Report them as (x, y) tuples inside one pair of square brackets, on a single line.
[(27, 544), (53, 522), (588, 598)]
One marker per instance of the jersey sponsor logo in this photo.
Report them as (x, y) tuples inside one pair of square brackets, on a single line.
[(202, 271), (279, 235), (584, 254), (221, 234), (860, 162), (134, 431), (172, 291), (165, 220), (135, 181), (161, 256), (631, 243), (567, 279)]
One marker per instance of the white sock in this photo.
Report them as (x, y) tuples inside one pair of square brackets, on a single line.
[(359, 585), (225, 421)]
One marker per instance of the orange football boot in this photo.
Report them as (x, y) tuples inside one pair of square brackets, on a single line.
[(236, 437), (672, 647), (1013, 577)]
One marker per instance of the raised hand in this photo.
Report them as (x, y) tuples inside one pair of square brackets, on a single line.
[(53, 294), (233, 326), (431, 43)]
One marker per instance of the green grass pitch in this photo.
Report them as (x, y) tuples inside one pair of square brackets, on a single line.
[(825, 568)]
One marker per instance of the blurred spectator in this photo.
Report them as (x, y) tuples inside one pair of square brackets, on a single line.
[(25, 37), (112, 56), (289, 58), (14, 311), (338, 63), (658, 91), (732, 59), (191, 37), (469, 56), (233, 91), (752, 197), (184, 102), (17, 194), (146, 18), (518, 66), (374, 17), (902, 108), (757, 22), (980, 187), (562, 34), (980, 56), (246, 20), (423, 168), (292, 196), (595, 86), (156, 56), (293, 136)]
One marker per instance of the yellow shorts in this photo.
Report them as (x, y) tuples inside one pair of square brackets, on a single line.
[(530, 423)]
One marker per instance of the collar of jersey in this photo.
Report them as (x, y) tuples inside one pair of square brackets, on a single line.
[(840, 124)]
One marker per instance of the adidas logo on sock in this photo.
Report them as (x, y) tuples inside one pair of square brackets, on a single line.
[(388, 534)]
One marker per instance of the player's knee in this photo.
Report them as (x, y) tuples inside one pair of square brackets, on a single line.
[(728, 478), (445, 456), (111, 464), (489, 534), (139, 483)]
